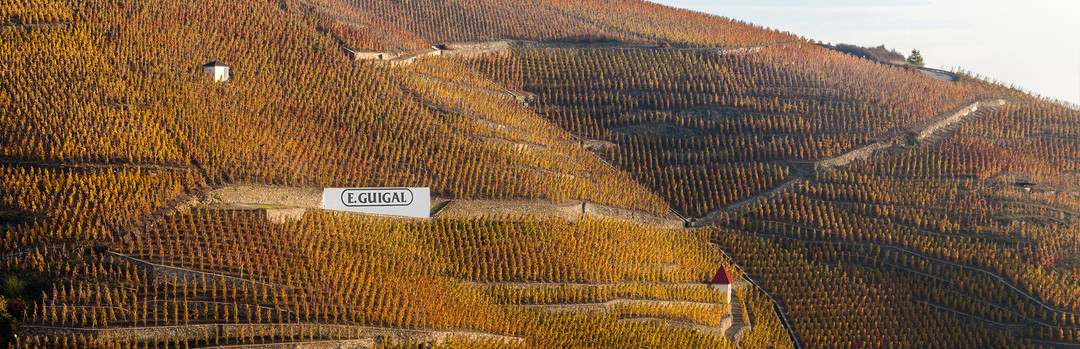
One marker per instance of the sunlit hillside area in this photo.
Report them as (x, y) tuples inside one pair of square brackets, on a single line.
[(603, 174)]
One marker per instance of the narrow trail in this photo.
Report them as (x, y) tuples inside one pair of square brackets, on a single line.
[(476, 49), (737, 209), (921, 131), (739, 323), (992, 305), (939, 74), (933, 136), (929, 133), (955, 119)]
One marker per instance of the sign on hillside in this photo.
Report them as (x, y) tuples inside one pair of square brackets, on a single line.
[(409, 202)]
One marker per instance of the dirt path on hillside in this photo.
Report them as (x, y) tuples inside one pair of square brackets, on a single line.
[(737, 209), (961, 115), (921, 132), (927, 132), (939, 74)]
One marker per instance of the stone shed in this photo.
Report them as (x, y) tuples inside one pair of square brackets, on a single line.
[(217, 70)]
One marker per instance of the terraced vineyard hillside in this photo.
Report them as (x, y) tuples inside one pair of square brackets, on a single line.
[(844, 182), (145, 205)]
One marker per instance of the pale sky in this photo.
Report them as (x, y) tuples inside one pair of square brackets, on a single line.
[(1034, 44)]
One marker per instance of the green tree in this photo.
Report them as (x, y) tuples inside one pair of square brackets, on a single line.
[(13, 287), (916, 58)]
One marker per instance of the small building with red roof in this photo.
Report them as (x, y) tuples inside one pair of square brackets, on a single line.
[(722, 282)]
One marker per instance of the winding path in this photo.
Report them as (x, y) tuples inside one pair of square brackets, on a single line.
[(940, 74), (922, 132)]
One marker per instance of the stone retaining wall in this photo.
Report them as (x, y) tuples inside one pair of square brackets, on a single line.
[(207, 332), (633, 216), (166, 274), (858, 154), (299, 200), (957, 117), (477, 49)]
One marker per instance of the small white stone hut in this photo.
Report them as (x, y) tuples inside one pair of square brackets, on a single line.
[(217, 70)]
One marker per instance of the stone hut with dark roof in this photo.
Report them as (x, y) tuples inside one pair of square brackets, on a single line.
[(217, 70)]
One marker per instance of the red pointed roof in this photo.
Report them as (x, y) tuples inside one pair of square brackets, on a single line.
[(721, 277)]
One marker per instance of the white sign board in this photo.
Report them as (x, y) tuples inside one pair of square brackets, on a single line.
[(410, 202)]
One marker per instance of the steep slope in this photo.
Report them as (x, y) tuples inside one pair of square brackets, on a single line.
[(948, 230), (961, 237), (706, 128), (125, 88), (933, 229), (116, 126)]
